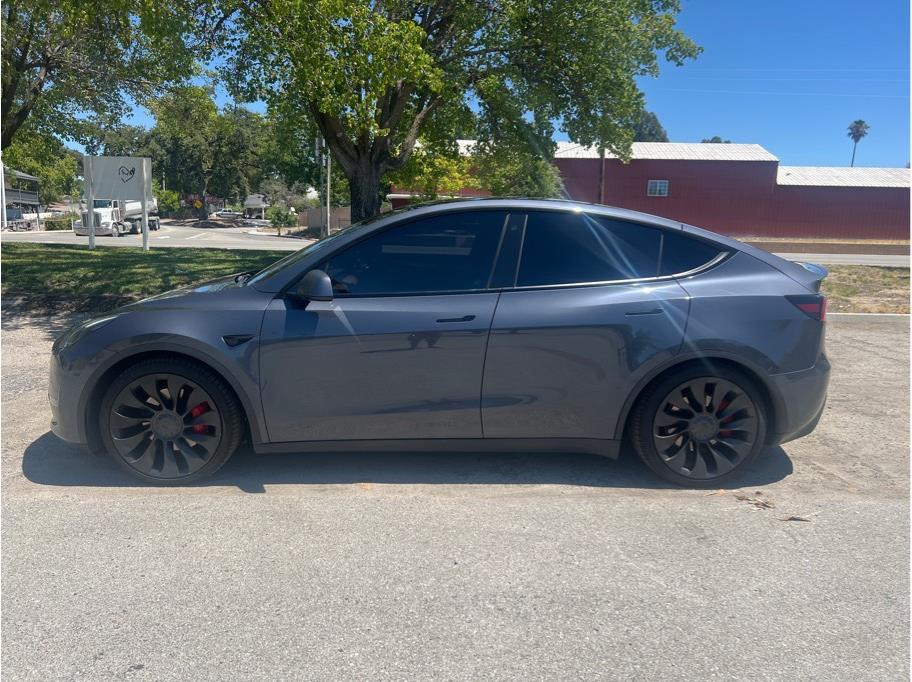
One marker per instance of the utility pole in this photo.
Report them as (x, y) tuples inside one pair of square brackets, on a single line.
[(328, 189), (2, 194), (89, 180)]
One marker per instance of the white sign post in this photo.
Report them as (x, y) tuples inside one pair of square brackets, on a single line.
[(121, 178)]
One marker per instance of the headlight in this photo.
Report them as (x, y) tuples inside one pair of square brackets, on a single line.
[(80, 330)]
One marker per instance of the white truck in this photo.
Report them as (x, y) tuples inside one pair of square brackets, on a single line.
[(116, 221)]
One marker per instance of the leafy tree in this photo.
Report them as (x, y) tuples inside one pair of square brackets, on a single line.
[(186, 124), (168, 199), (373, 76), (648, 129), (436, 171), (508, 170), (715, 139), (857, 130), (45, 157), (239, 145), (64, 59)]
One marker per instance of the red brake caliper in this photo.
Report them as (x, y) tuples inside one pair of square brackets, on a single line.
[(202, 408)]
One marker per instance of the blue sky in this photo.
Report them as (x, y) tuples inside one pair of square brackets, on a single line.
[(789, 75)]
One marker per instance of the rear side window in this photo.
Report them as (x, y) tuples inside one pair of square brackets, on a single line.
[(680, 254), (571, 248), (450, 252)]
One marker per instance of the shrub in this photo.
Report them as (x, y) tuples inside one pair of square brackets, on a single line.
[(61, 222), (280, 216)]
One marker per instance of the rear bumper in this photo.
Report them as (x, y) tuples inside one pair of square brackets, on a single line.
[(802, 397)]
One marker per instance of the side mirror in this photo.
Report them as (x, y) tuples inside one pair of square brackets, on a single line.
[(316, 286)]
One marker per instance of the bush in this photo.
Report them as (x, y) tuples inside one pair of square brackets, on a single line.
[(280, 216), (57, 224), (168, 200), (60, 223)]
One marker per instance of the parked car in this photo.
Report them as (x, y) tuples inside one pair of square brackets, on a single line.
[(227, 214), (481, 324)]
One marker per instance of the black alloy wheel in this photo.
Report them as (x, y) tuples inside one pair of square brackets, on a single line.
[(698, 429), (705, 428), (170, 421)]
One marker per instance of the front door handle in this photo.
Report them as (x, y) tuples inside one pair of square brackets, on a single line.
[(464, 318), (651, 311)]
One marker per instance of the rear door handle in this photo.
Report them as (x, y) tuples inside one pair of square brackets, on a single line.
[(464, 318), (652, 311)]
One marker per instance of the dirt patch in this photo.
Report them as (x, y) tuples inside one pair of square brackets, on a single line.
[(867, 289)]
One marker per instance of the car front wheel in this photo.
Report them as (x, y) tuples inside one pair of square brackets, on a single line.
[(170, 421), (700, 428)]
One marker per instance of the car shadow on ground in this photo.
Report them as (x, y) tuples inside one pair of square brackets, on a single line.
[(50, 461)]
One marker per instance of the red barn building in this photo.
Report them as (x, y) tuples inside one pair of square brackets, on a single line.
[(741, 190), (738, 190)]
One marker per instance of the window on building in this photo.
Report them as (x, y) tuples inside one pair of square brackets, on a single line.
[(657, 188)]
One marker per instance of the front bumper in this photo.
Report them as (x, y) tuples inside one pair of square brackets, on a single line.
[(64, 389), (802, 398)]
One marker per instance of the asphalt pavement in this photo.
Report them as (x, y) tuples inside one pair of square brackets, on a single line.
[(174, 235), (498, 567)]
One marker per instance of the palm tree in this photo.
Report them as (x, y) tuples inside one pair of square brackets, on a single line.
[(857, 130)]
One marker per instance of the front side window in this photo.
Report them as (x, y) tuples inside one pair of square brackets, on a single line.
[(445, 253), (657, 188), (574, 248)]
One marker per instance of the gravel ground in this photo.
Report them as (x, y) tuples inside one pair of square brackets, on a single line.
[(453, 566)]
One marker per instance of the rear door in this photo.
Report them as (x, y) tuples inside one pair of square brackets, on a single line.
[(578, 330)]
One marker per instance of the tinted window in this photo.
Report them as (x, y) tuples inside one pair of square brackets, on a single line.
[(568, 248), (451, 252), (680, 254)]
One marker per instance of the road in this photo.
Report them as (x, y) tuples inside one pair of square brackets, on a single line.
[(494, 567), (173, 235)]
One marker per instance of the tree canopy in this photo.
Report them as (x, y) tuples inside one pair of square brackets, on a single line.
[(69, 62), (374, 76), (648, 129), (45, 157)]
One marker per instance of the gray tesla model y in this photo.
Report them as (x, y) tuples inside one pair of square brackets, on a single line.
[(472, 325)]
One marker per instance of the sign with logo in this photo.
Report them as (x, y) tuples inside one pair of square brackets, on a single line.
[(121, 177)]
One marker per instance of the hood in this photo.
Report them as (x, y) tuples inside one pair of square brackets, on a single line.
[(196, 291)]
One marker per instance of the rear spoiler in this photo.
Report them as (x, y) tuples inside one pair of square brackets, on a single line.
[(813, 276)]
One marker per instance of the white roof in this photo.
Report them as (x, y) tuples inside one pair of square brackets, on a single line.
[(673, 151), (835, 176)]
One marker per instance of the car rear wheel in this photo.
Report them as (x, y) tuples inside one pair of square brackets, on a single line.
[(700, 428), (170, 421)]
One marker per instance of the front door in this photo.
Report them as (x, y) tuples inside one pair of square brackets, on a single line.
[(399, 352)]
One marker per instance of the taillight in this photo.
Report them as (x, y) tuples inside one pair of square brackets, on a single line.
[(813, 306)]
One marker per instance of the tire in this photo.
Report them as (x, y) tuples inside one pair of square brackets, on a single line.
[(682, 436), (170, 421)]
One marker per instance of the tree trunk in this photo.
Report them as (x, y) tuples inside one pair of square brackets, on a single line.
[(854, 147), (365, 191)]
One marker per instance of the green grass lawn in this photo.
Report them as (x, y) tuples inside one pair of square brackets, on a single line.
[(61, 278)]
